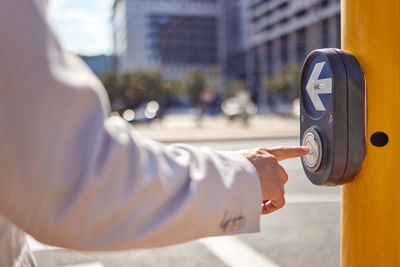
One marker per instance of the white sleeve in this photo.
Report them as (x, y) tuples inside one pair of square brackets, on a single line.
[(73, 177)]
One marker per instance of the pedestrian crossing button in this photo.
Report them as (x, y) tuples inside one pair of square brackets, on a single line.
[(312, 160)]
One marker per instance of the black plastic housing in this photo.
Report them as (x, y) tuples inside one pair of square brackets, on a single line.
[(342, 126)]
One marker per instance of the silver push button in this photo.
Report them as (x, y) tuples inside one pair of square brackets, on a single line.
[(311, 139)]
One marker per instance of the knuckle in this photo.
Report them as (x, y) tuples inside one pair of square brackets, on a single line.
[(279, 204), (283, 202), (285, 177), (262, 150)]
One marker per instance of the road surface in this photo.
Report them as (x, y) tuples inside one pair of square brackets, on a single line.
[(306, 232)]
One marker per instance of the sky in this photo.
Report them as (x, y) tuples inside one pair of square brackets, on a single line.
[(83, 26)]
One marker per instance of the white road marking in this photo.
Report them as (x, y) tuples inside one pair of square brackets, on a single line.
[(236, 253)]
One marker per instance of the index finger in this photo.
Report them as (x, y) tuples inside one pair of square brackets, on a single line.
[(282, 153)]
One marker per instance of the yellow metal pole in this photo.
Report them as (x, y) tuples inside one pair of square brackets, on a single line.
[(371, 204)]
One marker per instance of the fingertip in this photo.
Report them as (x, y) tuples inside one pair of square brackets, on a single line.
[(306, 149)]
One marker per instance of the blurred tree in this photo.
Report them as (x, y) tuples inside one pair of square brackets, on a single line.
[(142, 85), (286, 83), (169, 94), (213, 79), (132, 89), (195, 83), (173, 87), (234, 88), (111, 82), (198, 84)]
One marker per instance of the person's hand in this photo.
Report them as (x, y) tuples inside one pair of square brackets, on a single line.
[(272, 176)]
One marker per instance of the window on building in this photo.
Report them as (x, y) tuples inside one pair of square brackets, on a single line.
[(268, 27), (283, 21), (283, 5), (284, 50), (254, 19), (301, 13), (267, 13), (325, 42), (182, 39), (301, 45), (259, 3), (324, 3)]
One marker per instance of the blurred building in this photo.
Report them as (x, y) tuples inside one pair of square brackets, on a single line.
[(100, 64), (233, 39), (177, 35), (283, 32)]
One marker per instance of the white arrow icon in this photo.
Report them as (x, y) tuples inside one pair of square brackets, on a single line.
[(316, 87)]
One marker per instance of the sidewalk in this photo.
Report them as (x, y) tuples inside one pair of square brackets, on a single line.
[(185, 128)]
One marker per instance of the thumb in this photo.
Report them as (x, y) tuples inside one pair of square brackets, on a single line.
[(282, 153)]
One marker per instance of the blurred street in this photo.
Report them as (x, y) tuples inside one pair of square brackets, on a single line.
[(306, 232), (187, 128)]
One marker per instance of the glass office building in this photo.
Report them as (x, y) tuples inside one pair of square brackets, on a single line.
[(175, 35)]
